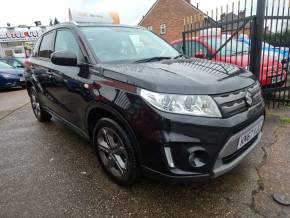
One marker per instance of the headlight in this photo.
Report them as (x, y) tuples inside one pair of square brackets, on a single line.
[(197, 105), (6, 75)]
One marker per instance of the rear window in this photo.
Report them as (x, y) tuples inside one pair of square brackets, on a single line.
[(46, 46), (231, 48)]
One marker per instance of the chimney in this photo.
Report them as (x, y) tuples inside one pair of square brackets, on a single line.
[(189, 1)]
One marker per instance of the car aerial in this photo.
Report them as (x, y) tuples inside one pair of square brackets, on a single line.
[(146, 109), (235, 52), (11, 77)]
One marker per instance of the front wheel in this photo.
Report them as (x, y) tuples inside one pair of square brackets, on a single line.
[(115, 152), (40, 114)]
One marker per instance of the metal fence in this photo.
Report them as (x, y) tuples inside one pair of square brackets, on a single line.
[(253, 34)]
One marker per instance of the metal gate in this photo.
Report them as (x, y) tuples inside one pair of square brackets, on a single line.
[(253, 34)]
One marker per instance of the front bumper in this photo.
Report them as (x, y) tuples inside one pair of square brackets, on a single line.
[(181, 135), (11, 82), (229, 156)]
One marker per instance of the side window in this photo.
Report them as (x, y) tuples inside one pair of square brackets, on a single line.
[(35, 52), (65, 41), (191, 48), (46, 46)]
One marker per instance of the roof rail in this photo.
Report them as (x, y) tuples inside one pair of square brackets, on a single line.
[(68, 22)]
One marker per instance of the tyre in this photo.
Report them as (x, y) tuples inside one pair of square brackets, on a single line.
[(40, 114), (115, 152)]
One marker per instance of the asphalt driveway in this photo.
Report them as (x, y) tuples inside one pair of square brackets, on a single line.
[(46, 170)]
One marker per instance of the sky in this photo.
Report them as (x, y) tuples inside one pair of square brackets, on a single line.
[(25, 12)]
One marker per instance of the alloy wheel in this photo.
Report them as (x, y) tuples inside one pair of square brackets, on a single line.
[(35, 104), (112, 152)]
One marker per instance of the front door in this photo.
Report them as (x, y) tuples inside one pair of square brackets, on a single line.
[(68, 86)]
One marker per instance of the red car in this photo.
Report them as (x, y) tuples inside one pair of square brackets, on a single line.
[(234, 52)]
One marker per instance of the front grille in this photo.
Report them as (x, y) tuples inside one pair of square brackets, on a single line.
[(235, 102)]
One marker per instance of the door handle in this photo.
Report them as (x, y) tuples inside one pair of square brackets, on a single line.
[(50, 75)]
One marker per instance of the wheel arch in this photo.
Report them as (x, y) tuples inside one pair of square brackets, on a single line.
[(100, 110)]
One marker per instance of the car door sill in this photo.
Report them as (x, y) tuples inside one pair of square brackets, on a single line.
[(67, 123)]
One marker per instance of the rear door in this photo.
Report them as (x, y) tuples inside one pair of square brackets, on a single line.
[(41, 69)]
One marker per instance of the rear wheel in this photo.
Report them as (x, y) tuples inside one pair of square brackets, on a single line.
[(40, 114), (115, 152)]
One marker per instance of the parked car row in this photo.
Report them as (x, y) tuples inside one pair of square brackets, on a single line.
[(234, 52), (12, 73)]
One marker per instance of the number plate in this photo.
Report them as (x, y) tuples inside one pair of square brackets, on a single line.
[(248, 136), (22, 79)]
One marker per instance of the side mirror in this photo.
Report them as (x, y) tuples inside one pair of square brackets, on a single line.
[(64, 58), (200, 54)]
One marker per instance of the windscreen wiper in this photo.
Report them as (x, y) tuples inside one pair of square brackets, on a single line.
[(152, 59)]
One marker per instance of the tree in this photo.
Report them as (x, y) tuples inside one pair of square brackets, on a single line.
[(279, 39)]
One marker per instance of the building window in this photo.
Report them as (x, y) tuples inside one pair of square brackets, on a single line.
[(150, 28), (163, 29)]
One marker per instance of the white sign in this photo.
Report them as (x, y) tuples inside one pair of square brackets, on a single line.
[(19, 34), (94, 17)]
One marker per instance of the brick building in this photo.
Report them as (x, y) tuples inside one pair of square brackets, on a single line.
[(166, 18)]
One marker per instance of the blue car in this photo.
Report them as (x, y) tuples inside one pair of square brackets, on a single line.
[(11, 77)]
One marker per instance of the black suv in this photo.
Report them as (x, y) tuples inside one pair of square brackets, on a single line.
[(147, 109)]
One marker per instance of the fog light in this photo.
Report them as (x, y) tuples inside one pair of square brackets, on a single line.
[(198, 157)]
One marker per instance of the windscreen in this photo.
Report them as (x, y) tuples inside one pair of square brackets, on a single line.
[(124, 44)]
